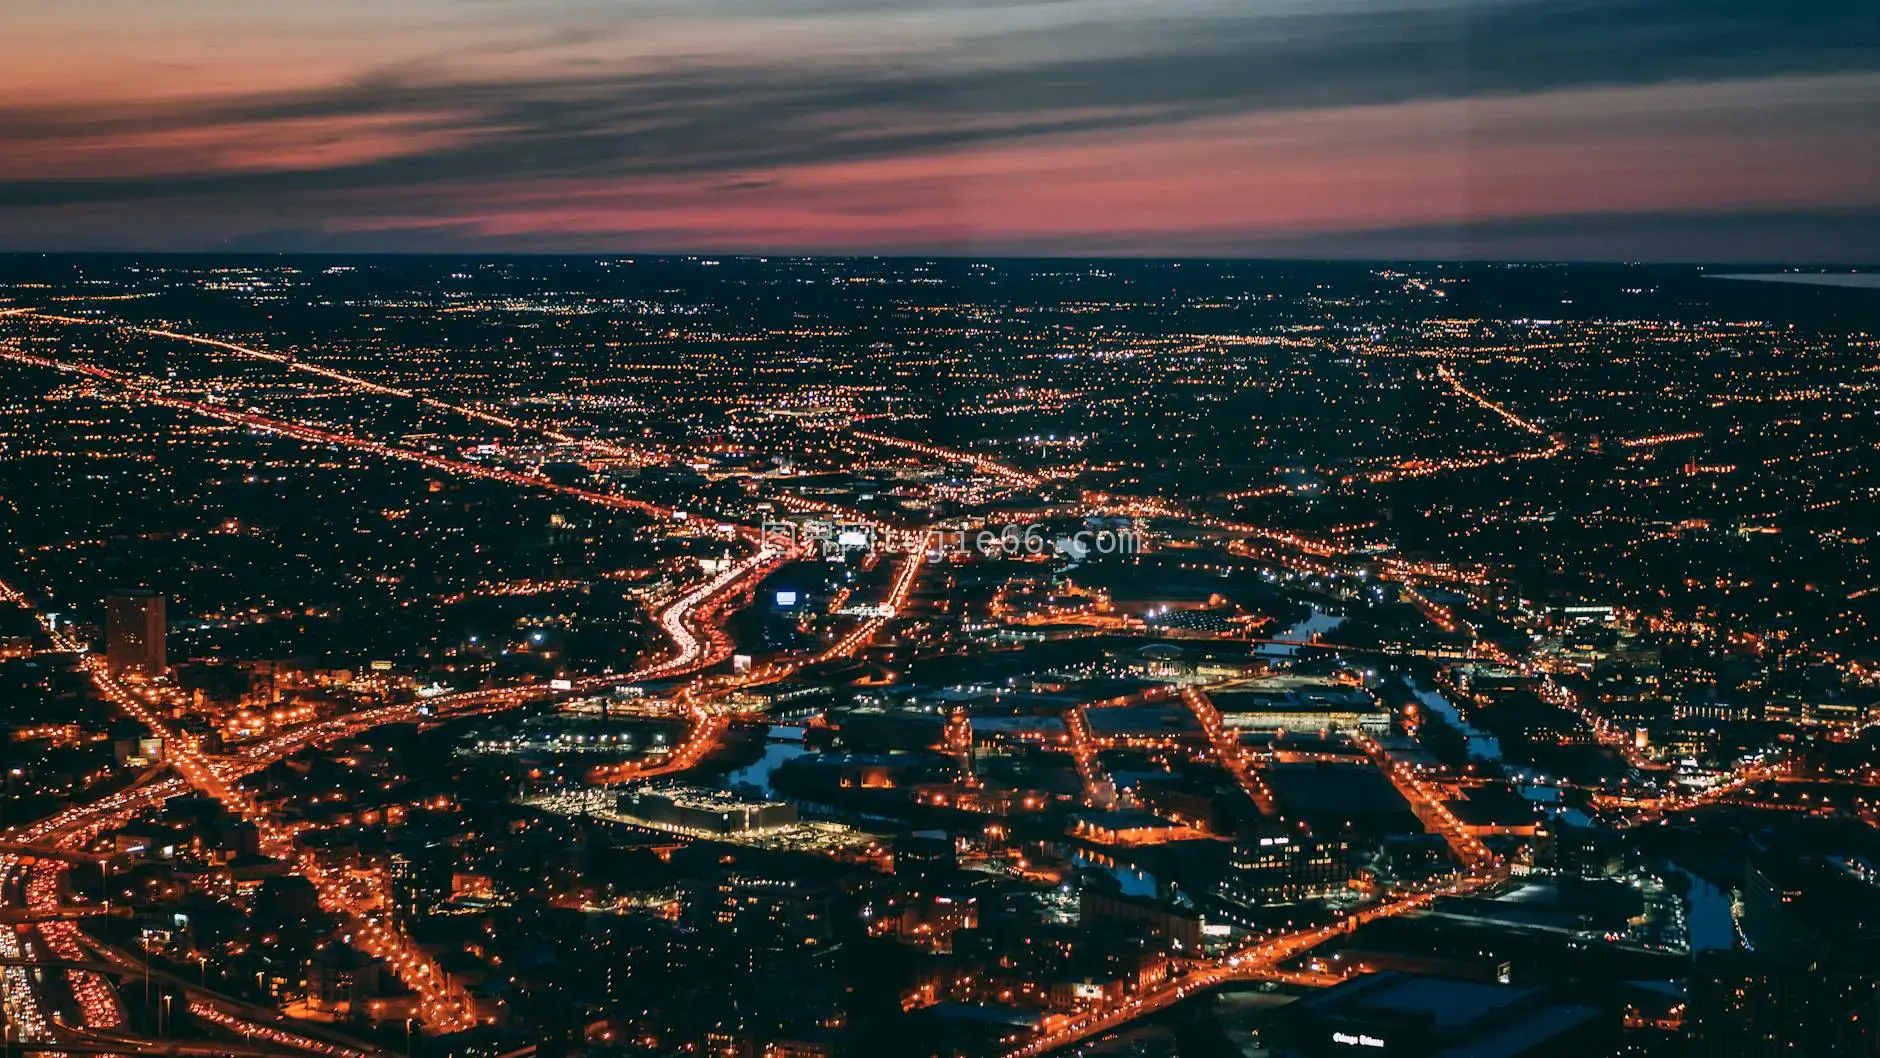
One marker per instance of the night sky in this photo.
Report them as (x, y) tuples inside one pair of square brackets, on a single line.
[(1745, 130)]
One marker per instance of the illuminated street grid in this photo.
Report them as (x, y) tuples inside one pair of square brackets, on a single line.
[(1508, 624)]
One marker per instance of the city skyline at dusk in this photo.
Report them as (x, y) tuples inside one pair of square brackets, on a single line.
[(855, 657), (1368, 129), (940, 529)]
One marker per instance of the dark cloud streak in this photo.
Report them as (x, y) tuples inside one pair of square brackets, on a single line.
[(726, 119), (733, 124)]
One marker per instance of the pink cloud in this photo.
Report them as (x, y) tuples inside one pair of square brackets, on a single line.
[(276, 145), (1670, 148)]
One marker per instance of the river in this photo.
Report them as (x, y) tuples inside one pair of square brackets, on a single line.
[(1482, 745), (1317, 623), (785, 744), (1708, 922)]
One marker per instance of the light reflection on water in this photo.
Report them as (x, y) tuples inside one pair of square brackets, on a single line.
[(786, 744), (1133, 881), (1482, 745), (1707, 915), (1318, 622)]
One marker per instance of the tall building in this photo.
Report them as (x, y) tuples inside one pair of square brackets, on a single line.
[(134, 632), (420, 877), (1281, 868), (748, 911), (1750, 1005)]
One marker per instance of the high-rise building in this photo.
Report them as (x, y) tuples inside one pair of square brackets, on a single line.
[(420, 878), (1744, 1005), (1282, 867), (760, 911), (134, 626)]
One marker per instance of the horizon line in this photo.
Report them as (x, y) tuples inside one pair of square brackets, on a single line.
[(1832, 267)]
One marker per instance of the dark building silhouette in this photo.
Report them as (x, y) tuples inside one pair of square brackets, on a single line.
[(1401, 1015), (134, 624), (1748, 1005)]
